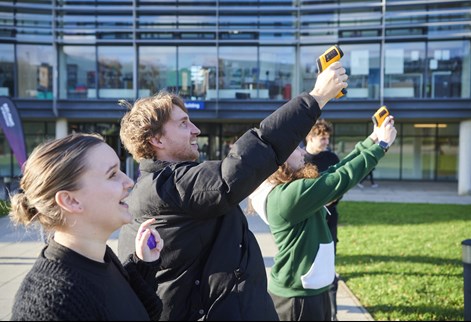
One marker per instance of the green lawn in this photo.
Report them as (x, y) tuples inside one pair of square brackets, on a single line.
[(4, 208), (403, 261)]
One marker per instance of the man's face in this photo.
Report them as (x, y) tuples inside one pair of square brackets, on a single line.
[(319, 143), (179, 139)]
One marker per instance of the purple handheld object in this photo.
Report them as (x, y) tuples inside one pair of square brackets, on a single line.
[(151, 242)]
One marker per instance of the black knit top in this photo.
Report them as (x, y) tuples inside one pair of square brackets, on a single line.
[(64, 285)]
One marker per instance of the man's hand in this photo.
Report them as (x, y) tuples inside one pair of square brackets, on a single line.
[(329, 83)]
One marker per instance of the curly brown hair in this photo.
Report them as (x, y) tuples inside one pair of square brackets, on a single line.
[(285, 174), (144, 120), (320, 128)]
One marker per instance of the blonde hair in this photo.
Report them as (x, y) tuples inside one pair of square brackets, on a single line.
[(144, 120), (52, 166)]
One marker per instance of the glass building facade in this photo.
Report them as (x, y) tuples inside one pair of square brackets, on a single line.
[(67, 63)]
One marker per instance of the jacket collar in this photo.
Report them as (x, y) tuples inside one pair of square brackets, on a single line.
[(148, 165)]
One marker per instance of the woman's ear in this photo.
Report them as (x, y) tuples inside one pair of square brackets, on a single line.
[(67, 201)]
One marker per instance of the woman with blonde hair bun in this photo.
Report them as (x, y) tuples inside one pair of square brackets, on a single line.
[(74, 188)]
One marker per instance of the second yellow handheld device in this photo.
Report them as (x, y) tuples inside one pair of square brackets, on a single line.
[(380, 115)]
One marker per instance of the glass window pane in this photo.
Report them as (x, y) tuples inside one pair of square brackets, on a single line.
[(404, 65), (343, 145), (77, 72), (9, 167), (35, 71), (362, 63), (346, 135), (5, 156), (115, 72), (308, 67), (419, 158), (450, 129), (447, 163), (276, 72), (237, 70), (449, 69), (389, 166), (197, 72), (157, 70), (7, 69)]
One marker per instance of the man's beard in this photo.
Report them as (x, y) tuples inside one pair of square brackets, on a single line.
[(186, 155)]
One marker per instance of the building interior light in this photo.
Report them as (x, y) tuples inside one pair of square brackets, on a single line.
[(425, 125)]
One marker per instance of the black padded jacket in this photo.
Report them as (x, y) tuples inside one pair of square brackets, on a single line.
[(212, 267)]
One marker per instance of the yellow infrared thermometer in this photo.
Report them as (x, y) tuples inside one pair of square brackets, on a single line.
[(329, 57), (380, 115)]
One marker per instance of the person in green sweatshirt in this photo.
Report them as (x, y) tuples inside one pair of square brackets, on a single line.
[(292, 201)]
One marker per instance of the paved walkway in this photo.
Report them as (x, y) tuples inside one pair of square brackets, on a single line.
[(19, 248)]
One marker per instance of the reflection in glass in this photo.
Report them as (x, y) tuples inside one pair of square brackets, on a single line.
[(77, 72), (447, 159), (362, 63), (115, 72), (36, 133), (34, 71), (237, 72), (418, 151), (276, 72), (308, 67), (157, 70), (389, 166), (448, 69), (6, 157), (197, 72), (7, 69), (404, 70)]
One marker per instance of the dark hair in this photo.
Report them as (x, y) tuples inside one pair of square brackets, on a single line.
[(52, 166)]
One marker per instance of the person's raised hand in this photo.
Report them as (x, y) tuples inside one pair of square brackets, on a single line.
[(386, 132), (329, 83)]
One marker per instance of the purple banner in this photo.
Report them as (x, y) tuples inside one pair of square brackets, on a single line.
[(13, 129)]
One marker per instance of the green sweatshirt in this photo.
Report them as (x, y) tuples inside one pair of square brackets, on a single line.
[(305, 262)]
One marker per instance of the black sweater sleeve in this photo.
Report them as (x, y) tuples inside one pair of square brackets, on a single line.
[(142, 279)]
